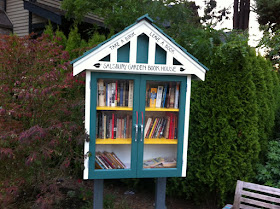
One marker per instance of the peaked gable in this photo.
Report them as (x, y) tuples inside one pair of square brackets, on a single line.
[(140, 48)]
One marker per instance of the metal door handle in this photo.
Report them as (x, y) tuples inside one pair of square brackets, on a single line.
[(142, 129), (136, 132), (136, 126), (142, 132)]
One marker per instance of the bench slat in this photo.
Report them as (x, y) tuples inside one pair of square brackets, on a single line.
[(260, 196), (258, 203), (265, 189), (247, 207)]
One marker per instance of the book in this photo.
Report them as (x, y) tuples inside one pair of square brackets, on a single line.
[(148, 123), (101, 93), (113, 95), (147, 99), (121, 94), (163, 128), (176, 102), (153, 97), (126, 93), (151, 163), (169, 162), (164, 96), (152, 130), (113, 126), (116, 94), (130, 94), (159, 96), (115, 156), (166, 133), (172, 98)]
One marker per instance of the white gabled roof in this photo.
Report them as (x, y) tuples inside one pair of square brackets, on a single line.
[(92, 59)]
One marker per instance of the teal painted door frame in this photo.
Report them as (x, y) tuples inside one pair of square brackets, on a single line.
[(137, 146)]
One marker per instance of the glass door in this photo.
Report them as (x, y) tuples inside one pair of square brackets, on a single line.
[(113, 110), (162, 112)]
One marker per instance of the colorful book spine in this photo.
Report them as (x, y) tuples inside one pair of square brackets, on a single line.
[(113, 94), (101, 93), (130, 94), (176, 102), (164, 96), (153, 97), (159, 96)]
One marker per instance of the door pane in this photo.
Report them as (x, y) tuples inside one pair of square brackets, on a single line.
[(161, 124), (114, 124)]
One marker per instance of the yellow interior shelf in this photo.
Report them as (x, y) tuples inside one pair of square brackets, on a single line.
[(162, 109), (113, 141), (160, 141), (114, 108)]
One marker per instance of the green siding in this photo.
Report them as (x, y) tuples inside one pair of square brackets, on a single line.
[(123, 53), (160, 57), (142, 49)]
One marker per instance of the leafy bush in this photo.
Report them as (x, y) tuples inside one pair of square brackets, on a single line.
[(269, 173), (231, 118), (41, 120)]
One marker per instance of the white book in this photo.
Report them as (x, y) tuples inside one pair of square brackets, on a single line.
[(109, 98), (130, 94), (176, 102), (159, 96), (101, 93), (147, 126), (113, 95)]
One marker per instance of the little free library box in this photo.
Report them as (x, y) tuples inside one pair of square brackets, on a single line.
[(138, 86)]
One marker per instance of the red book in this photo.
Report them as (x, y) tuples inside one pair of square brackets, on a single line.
[(108, 161), (171, 127)]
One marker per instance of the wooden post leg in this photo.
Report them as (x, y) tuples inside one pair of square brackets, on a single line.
[(160, 193), (98, 194)]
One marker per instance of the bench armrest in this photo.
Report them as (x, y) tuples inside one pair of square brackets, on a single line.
[(228, 206)]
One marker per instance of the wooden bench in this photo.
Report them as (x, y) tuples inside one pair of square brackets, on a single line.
[(252, 196)]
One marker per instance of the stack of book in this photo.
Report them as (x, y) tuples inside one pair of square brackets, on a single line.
[(111, 126), (115, 94), (166, 96), (162, 127), (160, 162), (107, 160)]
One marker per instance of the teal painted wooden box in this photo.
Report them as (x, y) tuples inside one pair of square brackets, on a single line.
[(137, 104)]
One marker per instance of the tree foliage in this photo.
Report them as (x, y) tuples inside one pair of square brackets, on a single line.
[(41, 114), (268, 13), (119, 14)]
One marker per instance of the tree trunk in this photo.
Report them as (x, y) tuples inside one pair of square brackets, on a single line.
[(241, 14), (235, 14)]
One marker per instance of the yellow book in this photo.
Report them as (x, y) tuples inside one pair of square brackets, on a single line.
[(151, 133), (153, 97)]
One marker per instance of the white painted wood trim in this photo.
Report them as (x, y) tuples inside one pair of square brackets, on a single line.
[(87, 122), (169, 59), (114, 56), (152, 52), (142, 27), (186, 128), (133, 50)]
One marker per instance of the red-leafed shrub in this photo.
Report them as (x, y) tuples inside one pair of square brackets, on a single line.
[(41, 120)]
